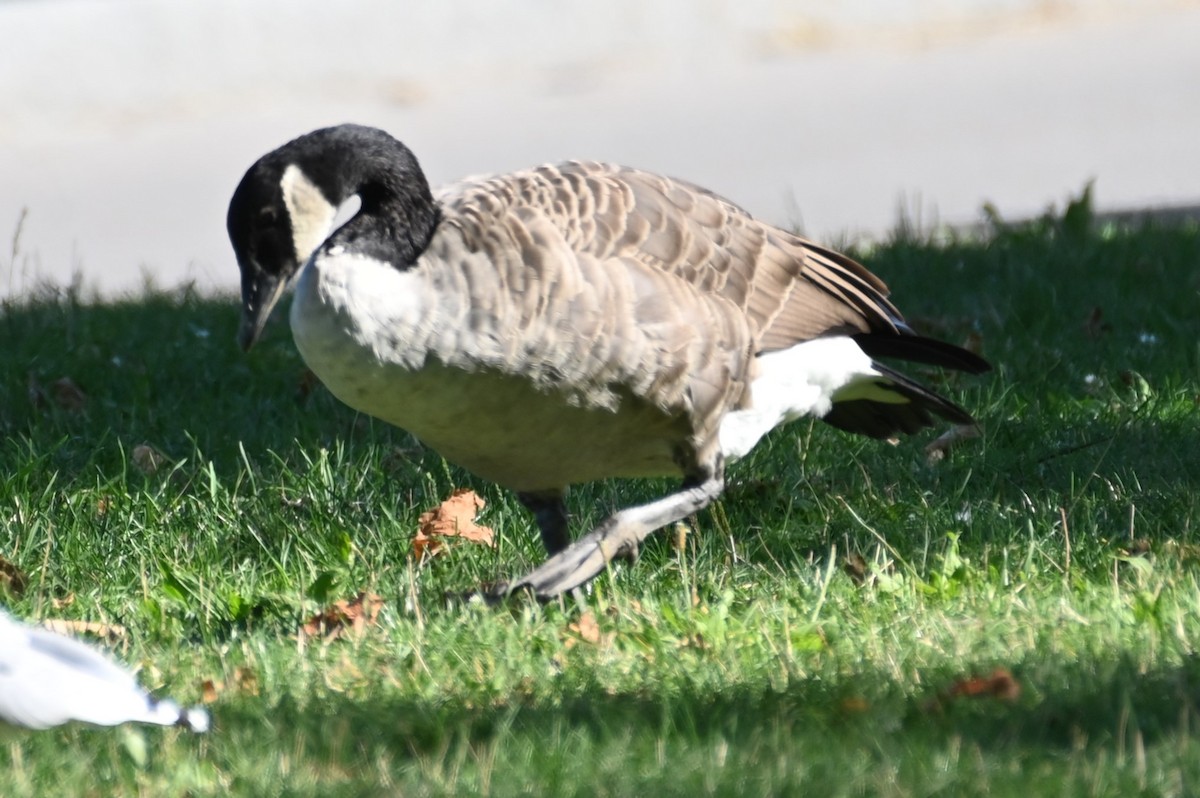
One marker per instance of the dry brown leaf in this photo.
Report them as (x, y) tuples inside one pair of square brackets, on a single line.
[(110, 632), (587, 630), (148, 460), (936, 451), (454, 517), (855, 566), (64, 602), (1137, 548), (64, 392), (246, 680), (210, 689), (1000, 685), (12, 579), (68, 395), (344, 617)]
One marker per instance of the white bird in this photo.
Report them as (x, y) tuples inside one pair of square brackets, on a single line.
[(47, 679), (569, 323)]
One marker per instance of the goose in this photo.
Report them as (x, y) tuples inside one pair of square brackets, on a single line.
[(569, 323), (48, 679)]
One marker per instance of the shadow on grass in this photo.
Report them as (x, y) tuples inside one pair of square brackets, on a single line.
[(851, 731)]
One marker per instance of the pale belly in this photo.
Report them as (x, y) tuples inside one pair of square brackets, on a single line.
[(497, 425), (503, 429)]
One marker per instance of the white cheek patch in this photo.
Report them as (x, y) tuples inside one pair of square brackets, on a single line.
[(804, 380), (310, 213)]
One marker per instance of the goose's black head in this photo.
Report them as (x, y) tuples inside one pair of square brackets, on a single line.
[(284, 209)]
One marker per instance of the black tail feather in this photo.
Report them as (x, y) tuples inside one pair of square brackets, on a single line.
[(914, 411), (919, 349)]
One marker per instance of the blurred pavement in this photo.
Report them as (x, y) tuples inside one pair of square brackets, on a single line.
[(126, 124)]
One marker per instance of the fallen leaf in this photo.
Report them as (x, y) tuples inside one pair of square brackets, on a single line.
[(147, 459), (854, 705), (64, 602), (12, 579), (454, 517), (587, 630), (936, 451), (68, 395), (855, 567), (344, 617), (246, 679), (1000, 685), (1137, 548), (209, 690), (110, 632)]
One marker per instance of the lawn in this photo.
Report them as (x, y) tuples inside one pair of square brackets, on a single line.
[(1019, 618)]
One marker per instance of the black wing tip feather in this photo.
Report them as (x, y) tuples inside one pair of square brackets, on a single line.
[(919, 349)]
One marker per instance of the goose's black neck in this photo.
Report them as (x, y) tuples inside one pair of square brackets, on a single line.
[(398, 215)]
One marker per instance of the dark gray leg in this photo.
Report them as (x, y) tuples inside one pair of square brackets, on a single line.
[(617, 536), (551, 516)]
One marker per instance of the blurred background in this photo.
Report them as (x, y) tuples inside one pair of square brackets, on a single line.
[(126, 124)]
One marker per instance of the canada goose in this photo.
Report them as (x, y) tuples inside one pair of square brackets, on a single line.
[(47, 679), (569, 323)]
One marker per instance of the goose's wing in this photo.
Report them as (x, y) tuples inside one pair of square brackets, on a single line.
[(789, 288), (554, 259), (604, 276)]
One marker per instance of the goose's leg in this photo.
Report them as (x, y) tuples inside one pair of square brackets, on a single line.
[(617, 536), (551, 516)]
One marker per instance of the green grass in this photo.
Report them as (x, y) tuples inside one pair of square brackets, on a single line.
[(746, 662)]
